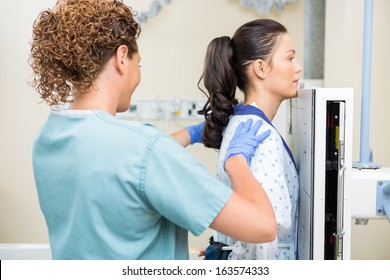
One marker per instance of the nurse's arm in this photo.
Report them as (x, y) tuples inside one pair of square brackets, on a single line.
[(182, 137), (190, 135), (248, 215)]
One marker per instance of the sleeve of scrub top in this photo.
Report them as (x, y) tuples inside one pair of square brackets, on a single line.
[(180, 188)]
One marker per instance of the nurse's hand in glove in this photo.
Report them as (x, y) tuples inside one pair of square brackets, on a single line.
[(245, 141), (190, 135), (196, 132)]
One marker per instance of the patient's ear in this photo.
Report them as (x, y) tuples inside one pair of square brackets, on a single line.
[(259, 68)]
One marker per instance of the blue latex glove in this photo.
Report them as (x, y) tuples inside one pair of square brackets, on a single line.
[(196, 132), (245, 141)]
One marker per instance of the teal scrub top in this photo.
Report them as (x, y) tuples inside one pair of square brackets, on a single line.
[(111, 189)]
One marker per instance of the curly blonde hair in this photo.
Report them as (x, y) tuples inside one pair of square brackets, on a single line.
[(73, 41)]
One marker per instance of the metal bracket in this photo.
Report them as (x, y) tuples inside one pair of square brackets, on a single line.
[(383, 198)]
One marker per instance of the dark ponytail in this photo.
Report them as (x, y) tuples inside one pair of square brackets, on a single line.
[(226, 68), (220, 80)]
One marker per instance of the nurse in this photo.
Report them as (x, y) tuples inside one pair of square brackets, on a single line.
[(114, 190), (260, 60)]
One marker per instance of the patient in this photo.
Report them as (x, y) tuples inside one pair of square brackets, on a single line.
[(260, 60)]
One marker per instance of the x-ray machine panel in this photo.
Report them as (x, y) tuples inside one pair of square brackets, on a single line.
[(322, 142)]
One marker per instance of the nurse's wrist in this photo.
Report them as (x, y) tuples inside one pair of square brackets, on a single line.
[(196, 132), (235, 162)]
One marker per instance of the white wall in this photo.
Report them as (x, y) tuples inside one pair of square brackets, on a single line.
[(20, 118), (172, 47)]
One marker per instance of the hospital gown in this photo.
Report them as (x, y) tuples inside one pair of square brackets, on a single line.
[(274, 167)]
